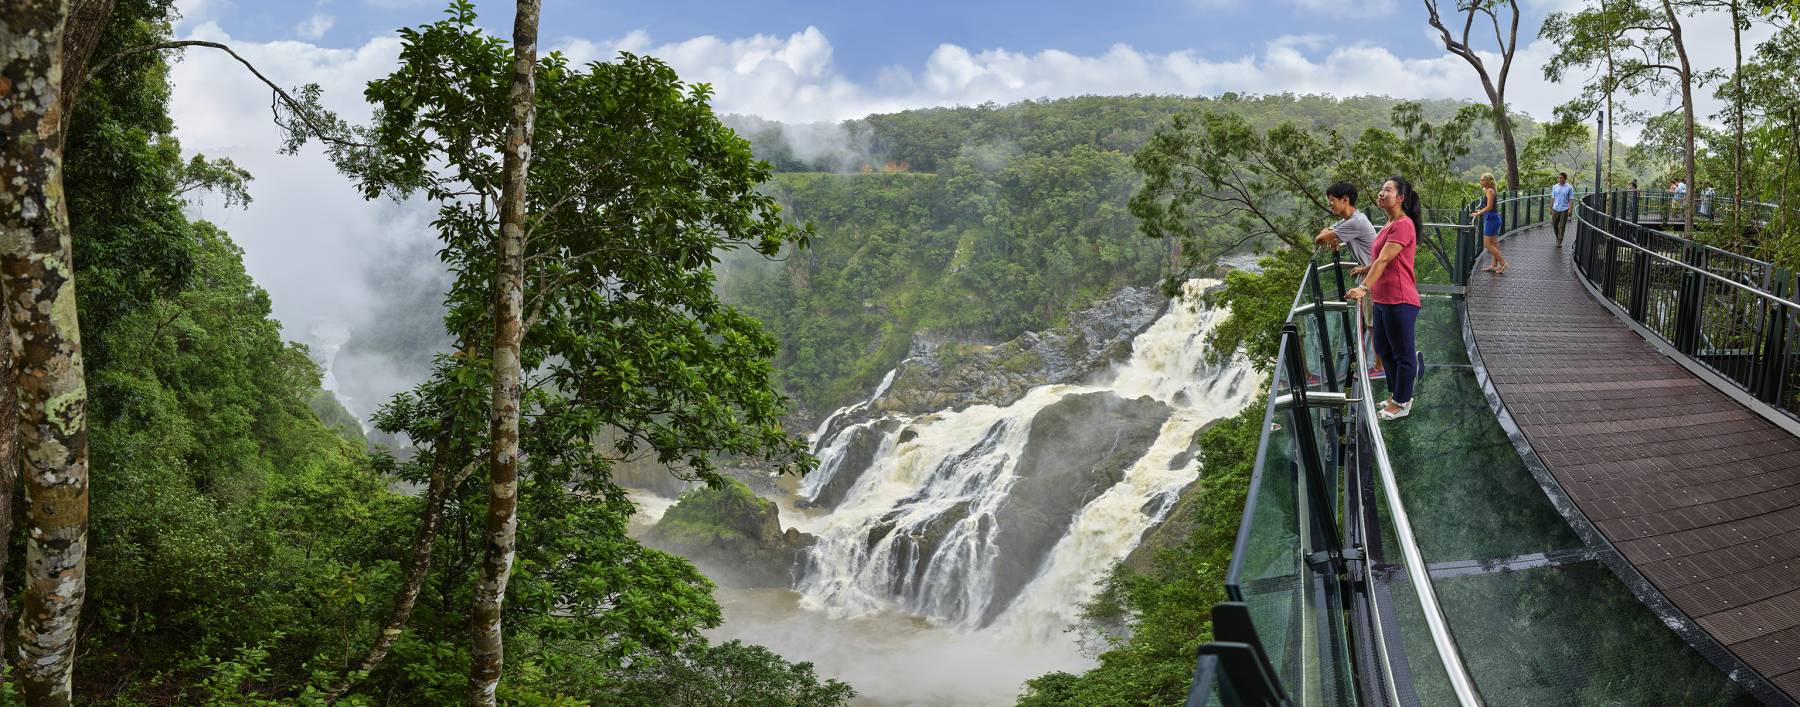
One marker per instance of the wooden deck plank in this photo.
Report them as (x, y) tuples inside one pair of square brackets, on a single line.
[(1701, 494)]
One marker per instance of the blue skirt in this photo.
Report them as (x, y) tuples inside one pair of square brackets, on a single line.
[(1490, 223)]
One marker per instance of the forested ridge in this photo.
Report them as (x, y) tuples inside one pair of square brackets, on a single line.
[(979, 223)]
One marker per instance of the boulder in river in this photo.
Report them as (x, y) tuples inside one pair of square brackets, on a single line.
[(733, 535)]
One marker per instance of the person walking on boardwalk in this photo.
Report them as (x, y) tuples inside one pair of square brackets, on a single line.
[(1353, 227), (1391, 284), (1562, 198), (1489, 218)]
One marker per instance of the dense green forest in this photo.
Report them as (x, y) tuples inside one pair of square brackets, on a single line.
[(980, 223), (246, 548)]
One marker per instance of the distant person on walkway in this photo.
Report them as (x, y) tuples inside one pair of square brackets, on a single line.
[(1679, 192), (1562, 198), (1390, 283), (1353, 227), (1706, 201), (1488, 216)]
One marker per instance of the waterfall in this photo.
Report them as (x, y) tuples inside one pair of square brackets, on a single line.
[(1004, 517)]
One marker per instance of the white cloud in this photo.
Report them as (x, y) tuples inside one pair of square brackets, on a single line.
[(1347, 8), (794, 78), (314, 27), (309, 237), (194, 12)]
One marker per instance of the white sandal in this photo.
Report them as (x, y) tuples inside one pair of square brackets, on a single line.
[(1385, 414)]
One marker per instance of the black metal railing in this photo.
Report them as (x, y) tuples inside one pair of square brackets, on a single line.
[(1731, 315)]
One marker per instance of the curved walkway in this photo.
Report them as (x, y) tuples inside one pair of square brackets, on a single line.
[(1698, 493)]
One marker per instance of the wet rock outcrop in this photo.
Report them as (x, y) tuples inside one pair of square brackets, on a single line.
[(1077, 449), (843, 470), (733, 535), (953, 375)]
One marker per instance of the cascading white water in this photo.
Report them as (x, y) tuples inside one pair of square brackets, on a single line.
[(934, 524)]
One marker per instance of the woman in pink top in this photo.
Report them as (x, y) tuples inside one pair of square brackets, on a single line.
[(1391, 285)]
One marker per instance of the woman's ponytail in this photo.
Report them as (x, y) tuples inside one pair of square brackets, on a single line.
[(1409, 201)]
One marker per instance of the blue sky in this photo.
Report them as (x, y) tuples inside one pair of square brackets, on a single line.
[(868, 36), (805, 60)]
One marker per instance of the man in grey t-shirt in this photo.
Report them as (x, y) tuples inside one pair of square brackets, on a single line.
[(1353, 227)]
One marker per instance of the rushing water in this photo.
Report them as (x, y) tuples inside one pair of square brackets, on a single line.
[(955, 548), (963, 542)]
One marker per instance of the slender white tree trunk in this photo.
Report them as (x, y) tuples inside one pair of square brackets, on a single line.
[(509, 299)]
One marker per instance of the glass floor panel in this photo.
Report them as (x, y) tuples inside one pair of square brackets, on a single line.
[(1538, 618)]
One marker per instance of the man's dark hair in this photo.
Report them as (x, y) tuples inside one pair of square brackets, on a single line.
[(1342, 190), (1564, 175)]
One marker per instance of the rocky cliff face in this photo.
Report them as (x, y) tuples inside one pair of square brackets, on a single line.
[(954, 375), (733, 535)]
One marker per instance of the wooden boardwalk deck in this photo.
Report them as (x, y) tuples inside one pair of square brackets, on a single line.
[(1696, 491)]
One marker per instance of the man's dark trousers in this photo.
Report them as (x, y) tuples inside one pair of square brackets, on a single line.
[(1559, 221)]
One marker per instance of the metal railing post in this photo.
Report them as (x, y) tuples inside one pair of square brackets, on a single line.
[(1771, 360), (1640, 276), (1609, 271), (1327, 356), (1688, 309), (1312, 471)]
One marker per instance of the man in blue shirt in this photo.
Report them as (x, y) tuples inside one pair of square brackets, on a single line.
[(1562, 196)]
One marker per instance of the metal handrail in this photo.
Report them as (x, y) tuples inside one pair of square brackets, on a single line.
[(1416, 570), (1765, 294)]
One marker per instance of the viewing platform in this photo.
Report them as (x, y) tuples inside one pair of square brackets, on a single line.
[(1699, 493), (1596, 499)]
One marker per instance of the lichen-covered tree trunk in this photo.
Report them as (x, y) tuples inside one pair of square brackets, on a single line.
[(509, 301), (39, 280), (9, 467)]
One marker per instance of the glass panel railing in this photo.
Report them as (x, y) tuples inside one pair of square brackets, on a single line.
[(1206, 689), (1268, 565), (1286, 566)]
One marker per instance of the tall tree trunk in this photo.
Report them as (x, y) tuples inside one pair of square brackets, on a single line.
[(509, 300), (1507, 41), (1611, 76), (38, 277), (1737, 106), (417, 567), (9, 469), (1687, 110), (1610, 142), (1504, 125), (81, 34)]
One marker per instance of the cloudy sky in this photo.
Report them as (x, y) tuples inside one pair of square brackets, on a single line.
[(309, 239)]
